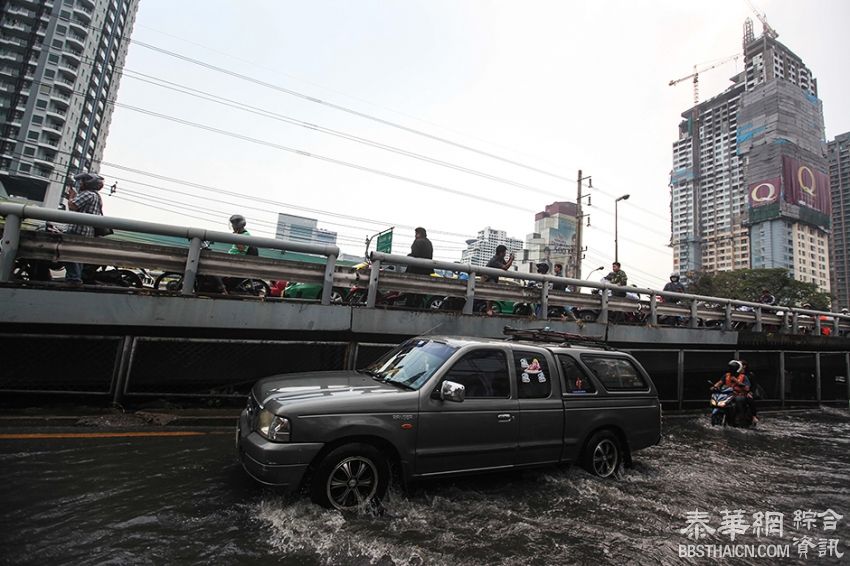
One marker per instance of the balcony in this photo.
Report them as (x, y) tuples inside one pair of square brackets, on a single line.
[(64, 84), (19, 12), (55, 114), (49, 142), (78, 41), (73, 56), (60, 98), (52, 128), (14, 25), (45, 162), (67, 69), (77, 26)]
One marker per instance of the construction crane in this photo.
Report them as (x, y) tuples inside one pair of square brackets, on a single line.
[(701, 69), (766, 29)]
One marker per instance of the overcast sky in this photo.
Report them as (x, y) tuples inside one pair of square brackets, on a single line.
[(548, 87)]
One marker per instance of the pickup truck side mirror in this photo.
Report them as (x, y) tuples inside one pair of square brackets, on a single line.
[(452, 391)]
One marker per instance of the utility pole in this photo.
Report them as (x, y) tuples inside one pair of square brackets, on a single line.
[(579, 220), (580, 216)]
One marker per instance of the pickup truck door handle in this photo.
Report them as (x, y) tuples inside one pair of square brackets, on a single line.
[(505, 418)]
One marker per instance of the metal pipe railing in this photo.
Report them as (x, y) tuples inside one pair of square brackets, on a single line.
[(15, 212), (674, 304)]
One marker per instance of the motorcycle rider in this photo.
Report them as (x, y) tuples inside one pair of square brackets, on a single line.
[(238, 223), (748, 380), (736, 379), (674, 286)]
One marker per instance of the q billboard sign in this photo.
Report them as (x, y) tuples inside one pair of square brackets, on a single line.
[(764, 192), (805, 185)]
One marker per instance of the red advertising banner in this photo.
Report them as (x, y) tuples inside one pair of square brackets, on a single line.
[(806, 186), (765, 192)]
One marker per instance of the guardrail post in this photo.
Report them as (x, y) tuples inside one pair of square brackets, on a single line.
[(603, 311), (544, 301), (694, 315), (191, 272), (818, 377), (372, 295), (9, 248), (758, 327), (835, 323), (653, 310), (328, 285), (795, 322), (727, 325), (470, 294), (782, 379), (817, 325)]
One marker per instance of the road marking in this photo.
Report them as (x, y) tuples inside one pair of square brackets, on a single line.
[(41, 435)]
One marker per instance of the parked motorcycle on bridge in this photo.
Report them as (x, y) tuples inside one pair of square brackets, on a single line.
[(173, 281)]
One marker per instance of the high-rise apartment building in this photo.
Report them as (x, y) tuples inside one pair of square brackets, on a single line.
[(748, 186), (58, 62), (839, 240), (301, 229), (481, 249)]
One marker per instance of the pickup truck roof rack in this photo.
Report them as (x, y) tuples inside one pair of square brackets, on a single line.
[(563, 338)]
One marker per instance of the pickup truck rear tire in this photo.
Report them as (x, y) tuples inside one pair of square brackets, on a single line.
[(603, 454), (351, 476)]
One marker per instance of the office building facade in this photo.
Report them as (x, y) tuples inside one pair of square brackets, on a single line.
[(58, 63), (554, 236), (301, 229), (749, 186)]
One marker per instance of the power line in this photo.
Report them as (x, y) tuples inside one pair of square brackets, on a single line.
[(203, 95), (341, 108)]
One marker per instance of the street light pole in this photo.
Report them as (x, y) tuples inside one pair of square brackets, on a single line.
[(616, 255)]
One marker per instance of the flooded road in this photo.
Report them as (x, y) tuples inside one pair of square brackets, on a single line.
[(185, 500)]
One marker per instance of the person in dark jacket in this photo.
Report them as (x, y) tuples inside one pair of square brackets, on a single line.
[(422, 249)]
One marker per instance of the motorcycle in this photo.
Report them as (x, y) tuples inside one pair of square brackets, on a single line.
[(636, 316), (173, 281), (42, 270), (727, 409)]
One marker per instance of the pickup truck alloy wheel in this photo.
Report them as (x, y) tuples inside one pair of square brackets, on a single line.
[(350, 477), (602, 455)]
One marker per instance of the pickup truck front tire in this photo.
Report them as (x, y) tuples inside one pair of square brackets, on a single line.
[(351, 476), (603, 454)]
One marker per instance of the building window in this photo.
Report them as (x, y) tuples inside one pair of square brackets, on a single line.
[(41, 104), (24, 168), (53, 58), (29, 150), (33, 135)]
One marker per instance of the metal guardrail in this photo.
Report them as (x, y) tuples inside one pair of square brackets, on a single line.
[(15, 213), (113, 252)]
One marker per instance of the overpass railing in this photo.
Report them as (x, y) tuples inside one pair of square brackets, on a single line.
[(86, 249), (530, 288)]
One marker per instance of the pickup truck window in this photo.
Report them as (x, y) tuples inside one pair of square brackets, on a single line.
[(484, 373), (411, 364), (616, 374), (533, 375), (575, 380)]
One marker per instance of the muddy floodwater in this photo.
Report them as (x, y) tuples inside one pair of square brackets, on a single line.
[(186, 500)]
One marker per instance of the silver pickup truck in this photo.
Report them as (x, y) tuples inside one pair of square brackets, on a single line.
[(441, 405)]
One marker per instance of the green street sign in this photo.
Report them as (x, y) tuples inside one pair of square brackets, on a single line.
[(385, 242)]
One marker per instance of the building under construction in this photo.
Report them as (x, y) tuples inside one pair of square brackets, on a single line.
[(749, 186)]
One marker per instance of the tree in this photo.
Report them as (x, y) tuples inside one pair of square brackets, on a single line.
[(747, 285)]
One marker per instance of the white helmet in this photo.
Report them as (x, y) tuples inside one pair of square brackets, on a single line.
[(735, 366)]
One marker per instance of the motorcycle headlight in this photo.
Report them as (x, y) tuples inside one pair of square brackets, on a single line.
[(272, 427)]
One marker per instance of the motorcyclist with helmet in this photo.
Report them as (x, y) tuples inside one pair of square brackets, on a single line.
[(736, 379), (238, 223), (674, 286)]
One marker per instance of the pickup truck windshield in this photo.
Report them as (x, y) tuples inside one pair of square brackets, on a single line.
[(412, 363)]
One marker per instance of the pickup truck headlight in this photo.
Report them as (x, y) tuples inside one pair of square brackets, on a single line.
[(272, 427)]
